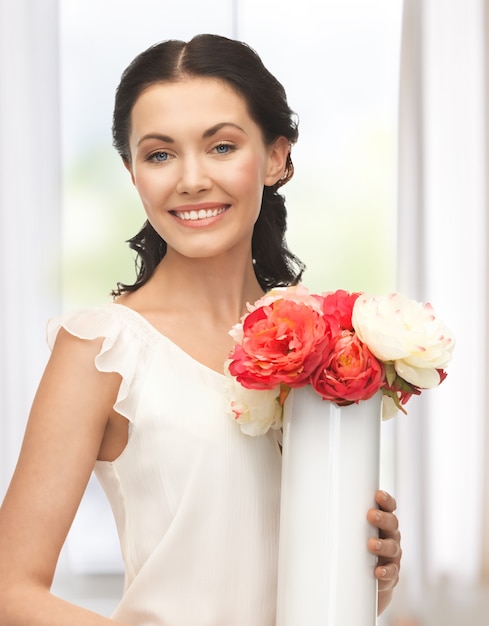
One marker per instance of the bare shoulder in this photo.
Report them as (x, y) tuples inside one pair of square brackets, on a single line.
[(72, 390), (143, 300)]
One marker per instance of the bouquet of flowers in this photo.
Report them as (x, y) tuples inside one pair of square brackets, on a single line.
[(347, 346)]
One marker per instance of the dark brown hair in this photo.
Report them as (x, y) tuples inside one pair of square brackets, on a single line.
[(240, 67)]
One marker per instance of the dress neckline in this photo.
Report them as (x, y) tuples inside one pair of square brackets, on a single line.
[(159, 335)]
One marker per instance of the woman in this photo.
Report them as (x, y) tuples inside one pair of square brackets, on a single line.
[(135, 387)]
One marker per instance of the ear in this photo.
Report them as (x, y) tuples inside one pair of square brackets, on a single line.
[(277, 158), (128, 167)]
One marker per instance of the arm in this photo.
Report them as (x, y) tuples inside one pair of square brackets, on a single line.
[(63, 436), (387, 547)]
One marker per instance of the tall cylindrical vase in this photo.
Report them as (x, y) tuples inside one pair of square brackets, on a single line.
[(330, 473)]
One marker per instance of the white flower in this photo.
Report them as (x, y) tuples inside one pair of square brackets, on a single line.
[(255, 410), (407, 333), (389, 408)]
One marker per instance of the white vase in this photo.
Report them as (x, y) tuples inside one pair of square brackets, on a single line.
[(330, 474)]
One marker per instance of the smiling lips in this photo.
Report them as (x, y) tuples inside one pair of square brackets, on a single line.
[(202, 215)]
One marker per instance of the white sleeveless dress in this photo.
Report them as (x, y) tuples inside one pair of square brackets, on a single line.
[(196, 502)]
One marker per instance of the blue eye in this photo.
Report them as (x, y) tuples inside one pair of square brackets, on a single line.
[(159, 156), (223, 148)]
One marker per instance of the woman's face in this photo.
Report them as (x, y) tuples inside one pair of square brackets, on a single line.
[(199, 164)]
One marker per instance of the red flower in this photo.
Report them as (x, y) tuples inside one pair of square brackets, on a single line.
[(349, 371), (291, 338), (338, 307), (283, 342)]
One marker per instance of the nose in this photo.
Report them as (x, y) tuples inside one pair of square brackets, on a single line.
[(193, 175)]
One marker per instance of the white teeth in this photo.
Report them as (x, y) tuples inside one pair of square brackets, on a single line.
[(200, 215)]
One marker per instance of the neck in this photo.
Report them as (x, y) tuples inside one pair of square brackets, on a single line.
[(220, 286)]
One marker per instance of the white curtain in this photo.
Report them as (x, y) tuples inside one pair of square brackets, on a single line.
[(29, 208), (443, 243), (485, 517)]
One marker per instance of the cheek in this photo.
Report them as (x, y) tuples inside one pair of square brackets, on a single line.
[(248, 178), (150, 187)]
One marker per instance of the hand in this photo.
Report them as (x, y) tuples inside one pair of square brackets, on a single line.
[(387, 546)]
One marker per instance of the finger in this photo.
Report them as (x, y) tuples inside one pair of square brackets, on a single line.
[(387, 575), (386, 549), (385, 501), (384, 521)]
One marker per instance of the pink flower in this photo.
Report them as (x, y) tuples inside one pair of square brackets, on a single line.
[(347, 346), (338, 307), (296, 293), (349, 371), (282, 342)]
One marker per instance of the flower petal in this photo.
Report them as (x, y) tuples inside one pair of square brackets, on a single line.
[(425, 378)]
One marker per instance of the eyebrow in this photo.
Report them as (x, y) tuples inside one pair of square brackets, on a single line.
[(210, 132), (214, 129)]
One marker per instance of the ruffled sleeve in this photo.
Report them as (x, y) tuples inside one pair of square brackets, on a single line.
[(124, 350)]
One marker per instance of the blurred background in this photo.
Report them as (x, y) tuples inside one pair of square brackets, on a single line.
[(389, 193)]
